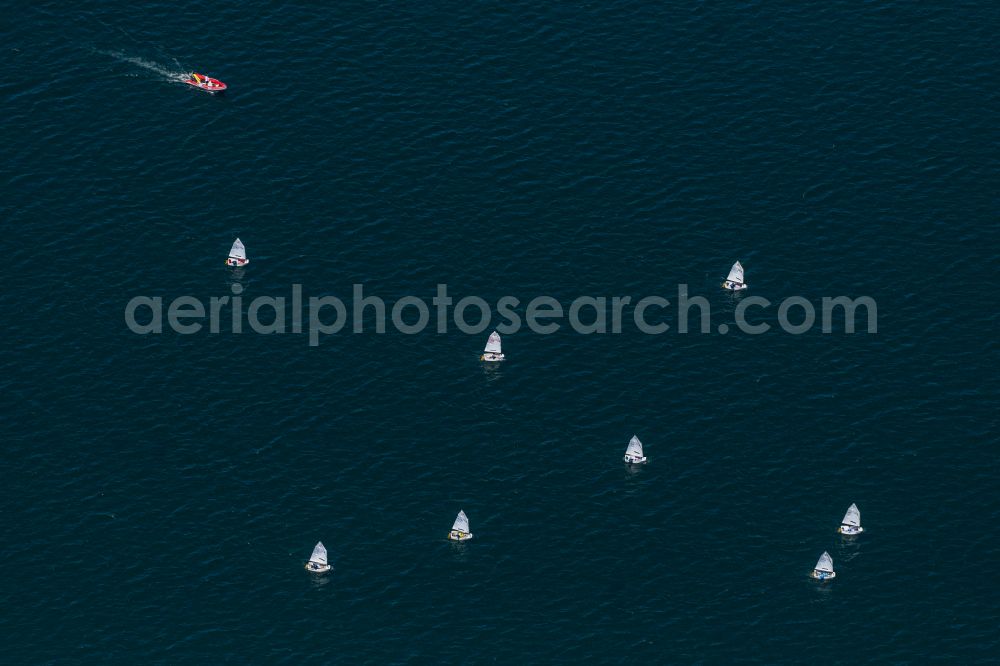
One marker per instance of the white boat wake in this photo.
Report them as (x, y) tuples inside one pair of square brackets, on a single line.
[(178, 74)]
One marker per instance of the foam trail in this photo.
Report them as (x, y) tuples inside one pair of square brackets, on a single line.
[(174, 75)]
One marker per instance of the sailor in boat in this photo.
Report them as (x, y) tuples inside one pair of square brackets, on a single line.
[(851, 524), (734, 282), (202, 81)]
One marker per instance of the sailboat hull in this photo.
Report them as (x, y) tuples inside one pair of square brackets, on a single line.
[(824, 575), (316, 567), (455, 535), (237, 263), (849, 530), (632, 460), (491, 357), (733, 286)]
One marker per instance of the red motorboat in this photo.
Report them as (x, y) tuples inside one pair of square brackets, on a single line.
[(206, 83)]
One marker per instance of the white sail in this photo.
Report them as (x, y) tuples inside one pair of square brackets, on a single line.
[(319, 554), (825, 563), (493, 344), (461, 523), (634, 448), (852, 517), (736, 273), (238, 251)]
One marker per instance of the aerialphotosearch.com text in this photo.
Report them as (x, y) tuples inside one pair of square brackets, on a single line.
[(319, 316)]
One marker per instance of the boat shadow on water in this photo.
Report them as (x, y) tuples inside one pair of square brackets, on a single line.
[(319, 582), (459, 550), (632, 472), (492, 371), (823, 588), (236, 276)]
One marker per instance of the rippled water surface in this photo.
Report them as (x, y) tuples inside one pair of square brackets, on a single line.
[(163, 491)]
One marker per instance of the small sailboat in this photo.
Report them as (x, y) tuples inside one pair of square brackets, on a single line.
[(824, 568), (317, 561), (492, 351), (851, 524), (735, 280), (460, 530), (237, 255), (633, 454)]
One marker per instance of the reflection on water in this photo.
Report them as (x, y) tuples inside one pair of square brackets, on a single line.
[(320, 580), (823, 588), (492, 370), (236, 276), (459, 550), (633, 471)]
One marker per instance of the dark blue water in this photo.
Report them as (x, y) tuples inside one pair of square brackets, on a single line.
[(162, 492)]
